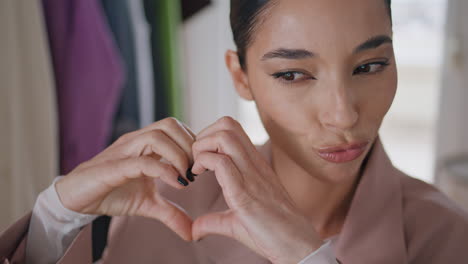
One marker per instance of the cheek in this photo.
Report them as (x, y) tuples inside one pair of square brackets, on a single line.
[(376, 100), (289, 122), (281, 123), (290, 119), (291, 113), (284, 108)]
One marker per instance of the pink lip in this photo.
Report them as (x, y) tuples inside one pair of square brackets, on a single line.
[(343, 153)]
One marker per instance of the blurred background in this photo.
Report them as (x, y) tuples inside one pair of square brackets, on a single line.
[(75, 75)]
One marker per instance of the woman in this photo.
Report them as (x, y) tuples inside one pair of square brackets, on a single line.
[(321, 190)]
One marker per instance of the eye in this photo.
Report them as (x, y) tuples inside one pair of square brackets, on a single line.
[(370, 68), (291, 76)]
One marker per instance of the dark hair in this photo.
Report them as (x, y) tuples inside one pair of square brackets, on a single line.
[(246, 16)]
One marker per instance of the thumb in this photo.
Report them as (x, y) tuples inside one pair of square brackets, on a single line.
[(219, 223), (173, 216)]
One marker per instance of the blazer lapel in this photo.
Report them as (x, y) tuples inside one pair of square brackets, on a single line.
[(373, 229)]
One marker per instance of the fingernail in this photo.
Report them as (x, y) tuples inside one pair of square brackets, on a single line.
[(182, 181), (190, 175)]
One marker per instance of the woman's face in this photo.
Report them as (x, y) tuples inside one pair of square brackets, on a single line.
[(323, 75)]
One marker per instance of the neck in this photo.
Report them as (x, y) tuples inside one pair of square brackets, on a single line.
[(326, 203)]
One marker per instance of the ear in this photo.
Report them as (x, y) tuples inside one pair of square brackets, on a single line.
[(238, 75)]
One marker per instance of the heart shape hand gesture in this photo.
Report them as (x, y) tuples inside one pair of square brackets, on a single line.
[(261, 214)]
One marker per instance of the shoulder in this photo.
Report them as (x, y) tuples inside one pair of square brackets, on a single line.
[(436, 228), (429, 200)]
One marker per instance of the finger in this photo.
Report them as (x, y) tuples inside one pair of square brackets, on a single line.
[(225, 142), (173, 216), (175, 129), (194, 136), (178, 131), (100, 180), (185, 142), (181, 134), (219, 223), (159, 143), (133, 168), (229, 124), (226, 173)]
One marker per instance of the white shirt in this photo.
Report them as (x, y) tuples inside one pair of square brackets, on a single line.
[(53, 228)]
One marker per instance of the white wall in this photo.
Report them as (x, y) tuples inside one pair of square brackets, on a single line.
[(453, 121), (209, 93)]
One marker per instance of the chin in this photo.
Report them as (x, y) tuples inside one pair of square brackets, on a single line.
[(339, 173)]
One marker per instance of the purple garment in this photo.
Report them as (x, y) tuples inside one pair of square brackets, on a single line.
[(89, 77)]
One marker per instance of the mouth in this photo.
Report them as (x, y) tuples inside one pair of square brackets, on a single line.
[(343, 153)]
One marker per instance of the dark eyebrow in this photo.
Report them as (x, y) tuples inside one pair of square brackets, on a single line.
[(298, 54), (291, 54), (373, 43)]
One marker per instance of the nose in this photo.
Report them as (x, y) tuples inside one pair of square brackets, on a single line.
[(339, 110)]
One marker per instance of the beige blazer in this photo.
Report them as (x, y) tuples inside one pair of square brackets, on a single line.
[(28, 115), (393, 219)]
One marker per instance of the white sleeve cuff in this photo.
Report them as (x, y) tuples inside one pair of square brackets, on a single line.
[(323, 255), (51, 202), (52, 228)]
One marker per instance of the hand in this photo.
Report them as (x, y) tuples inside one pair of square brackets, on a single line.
[(261, 214), (121, 179)]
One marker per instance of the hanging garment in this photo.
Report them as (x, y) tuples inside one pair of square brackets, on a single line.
[(161, 104), (169, 15), (127, 118), (28, 137), (164, 18), (88, 74), (144, 62), (191, 7)]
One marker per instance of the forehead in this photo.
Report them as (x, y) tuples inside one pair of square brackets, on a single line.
[(321, 25)]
